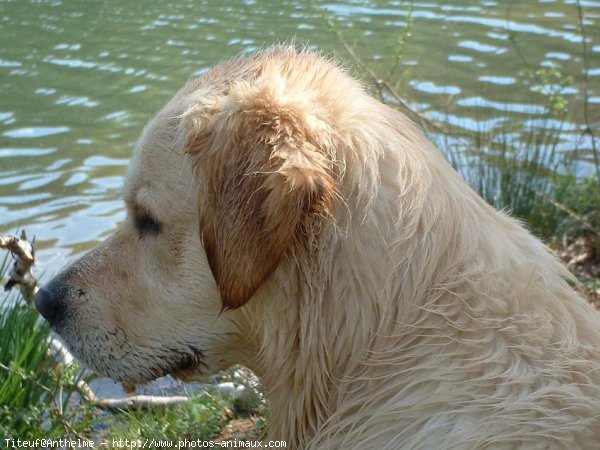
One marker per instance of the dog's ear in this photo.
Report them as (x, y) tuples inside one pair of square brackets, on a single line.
[(265, 163)]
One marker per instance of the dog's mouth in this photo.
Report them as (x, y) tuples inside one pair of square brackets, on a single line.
[(190, 375), (191, 367), (136, 366)]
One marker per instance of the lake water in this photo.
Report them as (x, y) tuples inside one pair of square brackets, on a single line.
[(79, 79)]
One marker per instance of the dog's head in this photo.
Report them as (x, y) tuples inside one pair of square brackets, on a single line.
[(233, 180)]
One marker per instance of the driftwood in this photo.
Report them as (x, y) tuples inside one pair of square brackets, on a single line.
[(21, 275), (133, 401), (139, 402)]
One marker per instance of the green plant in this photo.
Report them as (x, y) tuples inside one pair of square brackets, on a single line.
[(513, 169), (35, 392), (583, 198), (551, 83), (200, 417)]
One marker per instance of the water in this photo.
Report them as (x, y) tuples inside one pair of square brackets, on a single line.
[(79, 79)]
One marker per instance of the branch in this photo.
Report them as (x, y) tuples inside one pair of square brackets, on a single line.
[(21, 274), (131, 402), (139, 401)]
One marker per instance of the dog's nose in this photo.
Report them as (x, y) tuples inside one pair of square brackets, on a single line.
[(49, 305)]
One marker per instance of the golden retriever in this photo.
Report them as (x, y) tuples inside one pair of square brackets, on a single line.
[(281, 218)]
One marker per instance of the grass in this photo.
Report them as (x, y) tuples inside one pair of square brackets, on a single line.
[(521, 170), (199, 418), (523, 173), (35, 392)]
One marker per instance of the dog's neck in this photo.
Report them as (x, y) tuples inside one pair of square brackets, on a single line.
[(298, 368), (311, 342)]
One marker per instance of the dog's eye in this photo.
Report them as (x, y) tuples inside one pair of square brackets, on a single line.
[(146, 224)]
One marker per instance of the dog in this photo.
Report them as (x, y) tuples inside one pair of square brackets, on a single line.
[(281, 218)]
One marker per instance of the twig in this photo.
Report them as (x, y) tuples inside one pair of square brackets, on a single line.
[(381, 84), (401, 42), (133, 401), (60, 353), (569, 211), (512, 36), (378, 81), (138, 401), (23, 253)]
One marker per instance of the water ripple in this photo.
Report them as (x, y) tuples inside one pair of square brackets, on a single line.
[(34, 132)]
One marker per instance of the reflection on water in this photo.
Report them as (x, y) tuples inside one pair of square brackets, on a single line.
[(78, 80)]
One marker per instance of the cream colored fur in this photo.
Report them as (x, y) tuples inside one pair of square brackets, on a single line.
[(383, 304)]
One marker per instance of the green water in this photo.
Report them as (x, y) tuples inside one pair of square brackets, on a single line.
[(79, 79)]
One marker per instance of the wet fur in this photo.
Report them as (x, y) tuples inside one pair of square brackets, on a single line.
[(316, 236)]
